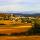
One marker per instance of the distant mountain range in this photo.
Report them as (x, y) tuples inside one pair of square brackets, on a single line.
[(35, 14), (26, 13)]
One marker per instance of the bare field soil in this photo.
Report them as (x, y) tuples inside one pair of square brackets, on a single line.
[(19, 37), (11, 29), (19, 28)]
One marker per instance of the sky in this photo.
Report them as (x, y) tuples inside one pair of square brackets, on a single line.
[(20, 5)]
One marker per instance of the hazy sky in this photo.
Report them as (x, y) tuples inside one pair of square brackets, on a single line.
[(20, 5)]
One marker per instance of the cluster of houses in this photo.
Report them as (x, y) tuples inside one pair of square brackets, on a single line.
[(14, 18)]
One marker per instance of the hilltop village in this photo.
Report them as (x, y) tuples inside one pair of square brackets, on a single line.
[(16, 19)]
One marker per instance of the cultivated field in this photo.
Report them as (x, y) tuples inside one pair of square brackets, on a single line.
[(7, 29), (14, 28)]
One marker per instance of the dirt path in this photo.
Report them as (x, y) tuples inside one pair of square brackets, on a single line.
[(19, 37)]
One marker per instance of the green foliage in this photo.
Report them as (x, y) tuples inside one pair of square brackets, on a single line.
[(24, 20)]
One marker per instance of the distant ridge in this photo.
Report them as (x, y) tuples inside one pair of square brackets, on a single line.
[(23, 14), (35, 14)]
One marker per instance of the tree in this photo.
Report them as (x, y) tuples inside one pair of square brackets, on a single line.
[(24, 20)]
